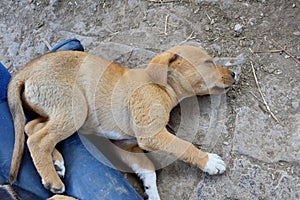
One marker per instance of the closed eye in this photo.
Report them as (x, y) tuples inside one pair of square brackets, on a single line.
[(210, 62)]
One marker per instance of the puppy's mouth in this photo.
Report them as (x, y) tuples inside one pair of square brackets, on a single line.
[(225, 89)]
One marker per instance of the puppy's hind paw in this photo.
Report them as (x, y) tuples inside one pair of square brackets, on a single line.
[(61, 197), (60, 168), (214, 165), (56, 188)]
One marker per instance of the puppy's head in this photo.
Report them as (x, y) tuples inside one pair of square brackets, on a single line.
[(190, 70)]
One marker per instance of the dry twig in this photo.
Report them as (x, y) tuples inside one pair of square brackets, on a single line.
[(46, 43), (285, 51), (256, 97), (162, 1), (208, 17), (166, 25), (262, 95), (113, 34), (188, 38), (130, 54), (269, 51)]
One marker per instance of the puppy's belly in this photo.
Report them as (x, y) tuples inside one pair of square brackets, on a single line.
[(113, 135)]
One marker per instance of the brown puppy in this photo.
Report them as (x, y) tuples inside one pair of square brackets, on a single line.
[(73, 91)]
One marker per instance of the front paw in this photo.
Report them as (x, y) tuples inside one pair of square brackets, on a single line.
[(151, 193), (214, 165)]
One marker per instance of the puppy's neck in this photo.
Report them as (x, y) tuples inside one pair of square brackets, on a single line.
[(178, 87), (172, 81)]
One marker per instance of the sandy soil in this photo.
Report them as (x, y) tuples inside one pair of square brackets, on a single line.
[(262, 154)]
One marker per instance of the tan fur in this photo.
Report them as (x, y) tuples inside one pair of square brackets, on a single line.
[(72, 91)]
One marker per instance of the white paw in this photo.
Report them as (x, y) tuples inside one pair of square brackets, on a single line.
[(48, 186), (149, 179), (60, 168), (215, 165), (152, 193)]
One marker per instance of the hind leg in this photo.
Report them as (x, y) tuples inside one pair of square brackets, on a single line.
[(41, 144), (65, 107), (58, 161)]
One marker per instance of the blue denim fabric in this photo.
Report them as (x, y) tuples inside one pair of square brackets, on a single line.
[(69, 44), (4, 79)]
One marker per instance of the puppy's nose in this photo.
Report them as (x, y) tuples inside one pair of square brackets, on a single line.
[(233, 75)]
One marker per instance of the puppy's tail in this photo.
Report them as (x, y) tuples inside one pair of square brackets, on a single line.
[(15, 89)]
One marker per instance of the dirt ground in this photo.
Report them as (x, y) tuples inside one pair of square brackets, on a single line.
[(262, 153)]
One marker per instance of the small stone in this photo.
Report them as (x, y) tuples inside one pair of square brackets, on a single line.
[(295, 104), (226, 143), (297, 33), (238, 28), (278, 72), (39, 25), (206, 27), (272, 176), (262, 15), (252, 21), (286, 56), (294, 5)]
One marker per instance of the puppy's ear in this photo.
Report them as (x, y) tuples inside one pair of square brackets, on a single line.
[(158, 67)]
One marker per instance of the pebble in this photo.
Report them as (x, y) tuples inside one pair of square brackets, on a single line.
[(295, 104), (297, 33), (278, 72), (272, 176), (226, 143), (238, 28), (252, 21), (206, 27)]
